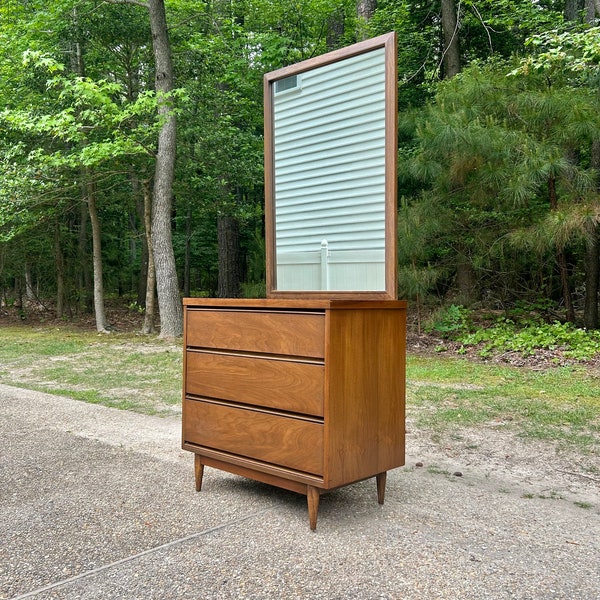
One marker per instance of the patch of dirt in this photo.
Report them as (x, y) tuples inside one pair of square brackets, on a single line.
[(536, 469), (532, 468)]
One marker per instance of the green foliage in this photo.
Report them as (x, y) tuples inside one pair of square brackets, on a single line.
[(489, 149), (525, 331), (572, 55), (77, 107), (451, 321), (137, 308), (89, 118), (419, 225), (530, 337)]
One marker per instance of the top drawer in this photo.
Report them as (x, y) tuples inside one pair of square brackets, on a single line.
[(259, 331)]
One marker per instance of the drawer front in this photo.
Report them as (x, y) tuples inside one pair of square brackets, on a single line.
[(291, 334), (284, 385), (284, 441)]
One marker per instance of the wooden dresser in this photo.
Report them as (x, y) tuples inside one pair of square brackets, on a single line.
[(307, 395)]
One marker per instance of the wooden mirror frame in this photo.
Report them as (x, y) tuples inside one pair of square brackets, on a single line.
[(388, 43)]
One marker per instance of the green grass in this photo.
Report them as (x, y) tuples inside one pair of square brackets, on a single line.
[(560, 405), (120, 370)]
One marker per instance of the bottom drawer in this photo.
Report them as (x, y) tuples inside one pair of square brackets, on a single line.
[(284, 441)]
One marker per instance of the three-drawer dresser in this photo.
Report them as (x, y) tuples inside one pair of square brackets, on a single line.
[(307, 395)]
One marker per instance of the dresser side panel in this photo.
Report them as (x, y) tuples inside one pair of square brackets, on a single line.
[(365, 394)]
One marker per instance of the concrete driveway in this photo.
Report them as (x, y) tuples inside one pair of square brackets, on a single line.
[(100, 503)]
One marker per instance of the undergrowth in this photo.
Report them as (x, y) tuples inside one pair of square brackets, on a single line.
[(526, 335)]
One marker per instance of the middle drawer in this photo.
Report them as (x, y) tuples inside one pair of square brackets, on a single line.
[(273, 383)]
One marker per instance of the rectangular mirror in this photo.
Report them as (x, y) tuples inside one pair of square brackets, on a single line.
[(330, 174)]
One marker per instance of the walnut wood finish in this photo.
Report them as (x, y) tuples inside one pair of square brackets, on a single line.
[(292, 386), (198, 471), (365, 406), (250, 331), (294, 420), (381, 480), (271, 438), (312, 496)]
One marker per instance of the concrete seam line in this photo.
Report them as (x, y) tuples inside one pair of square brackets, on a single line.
[(138, 555)]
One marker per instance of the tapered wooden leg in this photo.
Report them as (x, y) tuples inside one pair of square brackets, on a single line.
[(198, 471), (312, 495), (381, 479)]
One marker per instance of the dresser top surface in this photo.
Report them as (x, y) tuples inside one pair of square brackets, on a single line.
[(314, 304)]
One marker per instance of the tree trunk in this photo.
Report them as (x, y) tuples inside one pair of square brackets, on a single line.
[(364, 11), (29, 293), (169, 301), (59, 261), (86, 293), (335, 28), (592, 279), (451, 51), (561, 259), (591, 313), (465, 279), (146, 244), (148, 326), (572, 8), (590, 11), (228, 236), (366, 8), (188, 252), (96, 260)]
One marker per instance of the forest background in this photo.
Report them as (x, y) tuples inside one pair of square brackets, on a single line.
[(131, 150)]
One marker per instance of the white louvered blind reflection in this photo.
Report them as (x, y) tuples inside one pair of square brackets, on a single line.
[(329, 145)]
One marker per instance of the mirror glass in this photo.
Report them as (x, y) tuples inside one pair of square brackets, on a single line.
[(329, 173)]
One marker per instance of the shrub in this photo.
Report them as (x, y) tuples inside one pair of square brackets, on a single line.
[(451, 321)]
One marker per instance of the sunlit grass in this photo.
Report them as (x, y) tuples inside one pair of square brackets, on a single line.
[(120, 370), (560, 405)]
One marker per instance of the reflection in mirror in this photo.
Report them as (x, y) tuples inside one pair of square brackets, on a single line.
[(329, 176)]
